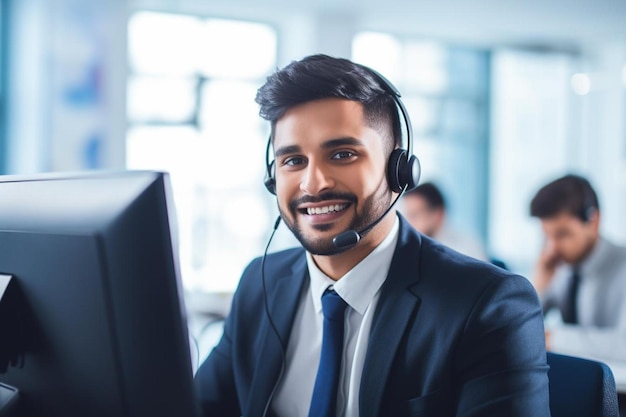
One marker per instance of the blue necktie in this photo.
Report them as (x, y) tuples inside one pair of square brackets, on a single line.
[(324, 400)]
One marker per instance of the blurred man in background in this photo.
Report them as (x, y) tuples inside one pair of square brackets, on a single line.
[(579, 272), (425, 208)]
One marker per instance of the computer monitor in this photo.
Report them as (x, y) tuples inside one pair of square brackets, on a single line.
[(95, 261)]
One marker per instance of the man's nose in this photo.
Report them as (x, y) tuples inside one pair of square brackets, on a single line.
[(316, 179)]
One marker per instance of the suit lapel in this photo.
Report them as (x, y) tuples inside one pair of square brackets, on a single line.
[(397, 305), (283, 296)]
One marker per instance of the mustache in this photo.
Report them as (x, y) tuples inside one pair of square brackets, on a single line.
[(293, 204)]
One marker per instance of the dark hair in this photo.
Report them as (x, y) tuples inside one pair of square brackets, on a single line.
[(570, 194), (321, 76), (429, 192)]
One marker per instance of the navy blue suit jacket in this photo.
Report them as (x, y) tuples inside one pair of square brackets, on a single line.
[(451, 336)]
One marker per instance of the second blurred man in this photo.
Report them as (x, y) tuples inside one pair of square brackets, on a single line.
[(580, 272)]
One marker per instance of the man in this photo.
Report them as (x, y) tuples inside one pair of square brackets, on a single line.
[(416, 336), (425, 208), (580, 272)]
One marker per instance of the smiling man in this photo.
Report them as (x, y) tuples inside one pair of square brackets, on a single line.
[(331, 169), (369, 317)]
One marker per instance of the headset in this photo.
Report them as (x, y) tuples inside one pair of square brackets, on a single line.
[(589, 207), (403, 167)]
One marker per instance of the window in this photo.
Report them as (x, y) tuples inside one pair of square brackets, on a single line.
[(445, 90), (191, 112)]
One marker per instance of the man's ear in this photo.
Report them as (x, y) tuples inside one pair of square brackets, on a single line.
[(440, 215), (593, 219)]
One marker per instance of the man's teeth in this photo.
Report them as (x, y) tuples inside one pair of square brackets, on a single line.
[(326, 209)]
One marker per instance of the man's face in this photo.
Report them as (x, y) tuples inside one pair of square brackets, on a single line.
[(330, 172), (568, 237), (421, 216)]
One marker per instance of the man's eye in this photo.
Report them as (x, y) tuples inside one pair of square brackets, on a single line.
[(293, 161), (343, 155)]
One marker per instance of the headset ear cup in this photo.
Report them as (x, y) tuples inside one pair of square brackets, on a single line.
[(413, 172), (270, 184), (270, 181), (397, 160), (588, 213), (402, 172)]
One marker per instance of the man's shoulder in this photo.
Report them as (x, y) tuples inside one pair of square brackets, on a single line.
[(437, 256), (441, 267), (427, 259), (262, 273), (614, 248), (609, 259), (274, 263), (282, 257), (462, 242), (453, 287)]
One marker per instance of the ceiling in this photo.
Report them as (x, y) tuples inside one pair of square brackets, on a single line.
[(534, 23), (548, 24)]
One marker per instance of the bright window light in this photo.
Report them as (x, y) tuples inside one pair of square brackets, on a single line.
[(231, 126), (425, 68), (424, 113), (167, 148), (219, 225), (192, 113), (161, 99), (161, 43), (581, 84), (234, 49), (380, 51), (237, 151), (229, 102)]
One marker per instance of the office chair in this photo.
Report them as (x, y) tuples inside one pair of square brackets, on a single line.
[(581, 387)]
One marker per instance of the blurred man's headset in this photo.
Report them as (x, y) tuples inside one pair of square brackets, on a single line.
[(589, 207)]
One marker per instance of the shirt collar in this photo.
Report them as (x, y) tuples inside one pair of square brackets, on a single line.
[(359, 285)]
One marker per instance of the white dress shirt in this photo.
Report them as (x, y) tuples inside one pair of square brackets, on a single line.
[(359, 287), (601, 302)]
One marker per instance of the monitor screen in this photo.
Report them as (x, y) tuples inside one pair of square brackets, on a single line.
[(101, 310)]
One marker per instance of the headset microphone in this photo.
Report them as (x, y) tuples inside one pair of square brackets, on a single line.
[(350, 238)]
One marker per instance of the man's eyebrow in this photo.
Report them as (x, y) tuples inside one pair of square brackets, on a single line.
[(287, 150), (348, 140), (330, 144)]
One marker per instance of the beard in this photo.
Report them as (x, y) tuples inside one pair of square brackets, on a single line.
[(372, 208)]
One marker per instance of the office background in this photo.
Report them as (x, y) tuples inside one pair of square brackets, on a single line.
[(503, 96)]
